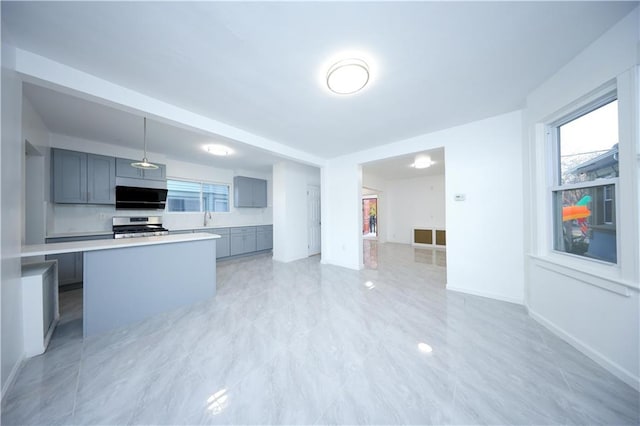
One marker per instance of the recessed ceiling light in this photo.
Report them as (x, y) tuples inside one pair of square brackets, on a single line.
[(422, 162), (348, 76), (220, 150)]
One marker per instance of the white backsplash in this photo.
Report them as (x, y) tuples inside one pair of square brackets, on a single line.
[(78, 218)]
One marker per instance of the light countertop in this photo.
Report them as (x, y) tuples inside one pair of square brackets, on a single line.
[(80, 246), (80, 234), (181, 228), (196, 228)]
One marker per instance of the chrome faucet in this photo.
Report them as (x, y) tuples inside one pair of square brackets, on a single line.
[(207, 213)]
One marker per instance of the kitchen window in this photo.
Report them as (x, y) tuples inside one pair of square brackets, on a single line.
[(586, 180), (190, 196)]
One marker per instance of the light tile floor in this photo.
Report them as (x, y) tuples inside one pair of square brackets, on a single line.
[(304, 343)]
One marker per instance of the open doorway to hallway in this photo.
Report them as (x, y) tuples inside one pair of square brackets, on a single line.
[(403, 201), (370, 216)]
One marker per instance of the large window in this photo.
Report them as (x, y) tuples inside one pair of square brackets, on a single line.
[(584, 193), (188, 196)]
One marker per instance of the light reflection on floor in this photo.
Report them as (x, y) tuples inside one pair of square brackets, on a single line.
[(373, 250)]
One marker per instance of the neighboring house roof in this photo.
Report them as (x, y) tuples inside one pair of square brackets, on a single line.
[(606, 160)]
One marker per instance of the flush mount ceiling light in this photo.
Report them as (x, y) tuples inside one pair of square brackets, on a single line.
[(348, 76), (144, 164), (424, 348), (220, 150), (422, 162)]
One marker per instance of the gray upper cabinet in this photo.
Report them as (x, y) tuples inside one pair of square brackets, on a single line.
[(156, 174), (126, 170), (249, 192), (101, 179), (81, 178), (69, 176)]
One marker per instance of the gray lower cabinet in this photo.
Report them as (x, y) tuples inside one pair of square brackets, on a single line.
[(223, 244), (69, 267), (243, 240), (182, 231), (239, 240), (82, 178), (264, 237), (70, 264)]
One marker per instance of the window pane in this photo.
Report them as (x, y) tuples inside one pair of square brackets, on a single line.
[(589, 146), (585, 222), (183, 196), (215, 197)]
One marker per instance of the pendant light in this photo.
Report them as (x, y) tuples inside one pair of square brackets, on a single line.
[(144, 164)]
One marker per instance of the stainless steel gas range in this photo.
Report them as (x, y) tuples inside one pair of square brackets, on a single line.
[(138, 226)]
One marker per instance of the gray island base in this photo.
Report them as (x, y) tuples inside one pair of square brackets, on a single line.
[(128, 284)]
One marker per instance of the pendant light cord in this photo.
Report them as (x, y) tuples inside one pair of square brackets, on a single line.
[(144, 137)]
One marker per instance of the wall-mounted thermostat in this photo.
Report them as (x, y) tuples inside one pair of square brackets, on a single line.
[(459, 197)]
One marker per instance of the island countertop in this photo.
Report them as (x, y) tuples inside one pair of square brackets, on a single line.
[(80, 246)]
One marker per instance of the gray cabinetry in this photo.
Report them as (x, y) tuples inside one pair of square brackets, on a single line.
[(243, 240), (223, 244), (238, 240), (69, 176), (81, 178), (101, 179), (126, 170), (70, 264), (249, 192), (69, 267), (182, 231), (264, 237)]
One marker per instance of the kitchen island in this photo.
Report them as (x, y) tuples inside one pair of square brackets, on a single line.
[(128, 280)]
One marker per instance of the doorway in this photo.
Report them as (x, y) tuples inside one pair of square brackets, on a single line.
[(370, 217), (313, 220)]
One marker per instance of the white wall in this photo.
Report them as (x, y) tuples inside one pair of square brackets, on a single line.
[(414, 203), (342, 213), (11, 154), (484, 161), (594, 307), (290, 182), (36, 136), (63, 218)]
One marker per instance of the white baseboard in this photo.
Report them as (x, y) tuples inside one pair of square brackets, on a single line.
[(341, 264), (596, 356), (488, 295), (12, 377)]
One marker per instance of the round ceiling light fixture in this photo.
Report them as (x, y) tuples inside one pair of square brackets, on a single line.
[(422, 162), (348, 76), (219, 150)]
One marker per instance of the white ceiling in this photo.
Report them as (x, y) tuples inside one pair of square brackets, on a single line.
[(72, 116), (259, 65), (400, 167)]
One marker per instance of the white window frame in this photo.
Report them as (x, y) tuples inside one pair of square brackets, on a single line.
[(626, 273), (553, 134), (201, 183)]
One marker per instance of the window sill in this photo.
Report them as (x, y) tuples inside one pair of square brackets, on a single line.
[(594, 278)]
